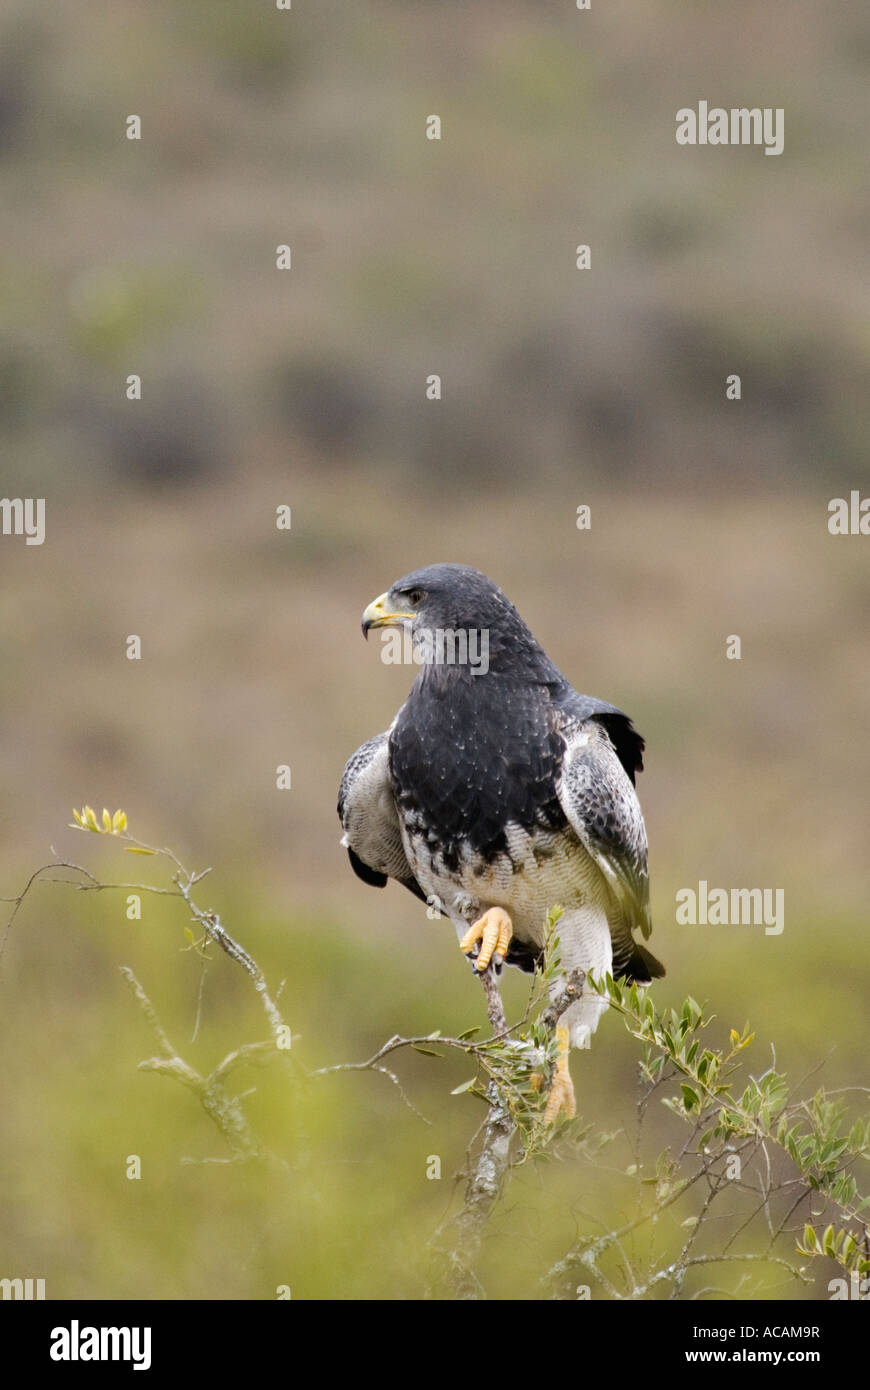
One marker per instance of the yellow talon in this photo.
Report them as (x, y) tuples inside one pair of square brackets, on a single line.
[(561, 1098), (494, 931)]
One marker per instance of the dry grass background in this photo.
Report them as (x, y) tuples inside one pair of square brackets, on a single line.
[(708, 519)]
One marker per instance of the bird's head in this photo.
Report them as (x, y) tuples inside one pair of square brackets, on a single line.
[(451, 611), (439, 596)]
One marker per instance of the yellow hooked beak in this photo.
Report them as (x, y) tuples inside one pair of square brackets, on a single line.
[(379, 614)]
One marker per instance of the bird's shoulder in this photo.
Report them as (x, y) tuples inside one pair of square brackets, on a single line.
[(574, 710)]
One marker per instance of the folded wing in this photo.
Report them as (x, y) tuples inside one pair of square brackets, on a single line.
[(367, 810), (598, 798)]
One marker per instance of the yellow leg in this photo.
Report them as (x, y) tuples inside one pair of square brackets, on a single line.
[(494, 931), (561, 1098)]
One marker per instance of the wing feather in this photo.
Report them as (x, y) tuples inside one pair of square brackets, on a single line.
[(597, 795), (367, 810)]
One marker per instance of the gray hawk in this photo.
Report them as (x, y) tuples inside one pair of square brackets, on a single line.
[(498, 792)]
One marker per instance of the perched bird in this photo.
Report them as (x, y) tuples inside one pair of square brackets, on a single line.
[(498, 792)]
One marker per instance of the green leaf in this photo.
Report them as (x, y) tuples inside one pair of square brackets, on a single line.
[(466, 1086), (691, 1099), (469, 1033), (427, 1051)]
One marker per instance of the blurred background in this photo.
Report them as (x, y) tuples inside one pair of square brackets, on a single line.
[(306, 388)]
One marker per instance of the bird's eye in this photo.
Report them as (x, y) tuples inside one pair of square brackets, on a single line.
[(415, 595)]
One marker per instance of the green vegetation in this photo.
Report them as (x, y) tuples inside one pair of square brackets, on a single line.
[(734, 1191)]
